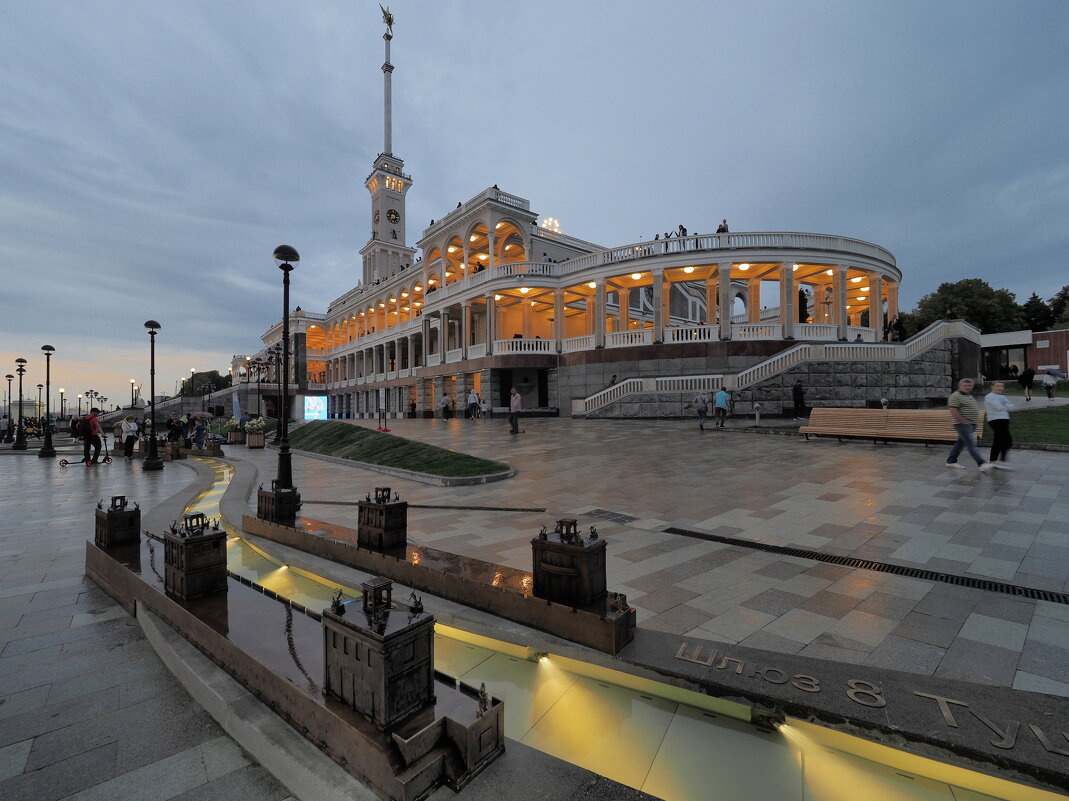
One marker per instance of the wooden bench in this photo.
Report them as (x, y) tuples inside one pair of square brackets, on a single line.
[(918, 425)]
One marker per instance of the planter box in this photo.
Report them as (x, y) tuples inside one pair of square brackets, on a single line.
[(254, 439), (235, 437)]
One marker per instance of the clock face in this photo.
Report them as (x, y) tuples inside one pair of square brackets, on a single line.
[(392, 216), (376, 216)]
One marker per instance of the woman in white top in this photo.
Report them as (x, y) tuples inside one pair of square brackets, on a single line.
[(997, 408), (1049, 383), (129, 436)]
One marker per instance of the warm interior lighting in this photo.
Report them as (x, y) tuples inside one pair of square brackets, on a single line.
[(483, 256), (861, 297), (688, 269), (854, 280), (593, 285), (361, 314), (636, 276), (432, 281), (794, 268), (744, 266), (497, 297), (417, 288), (382, 305), (452, 249), (863, 289), (532, 303), (393, 300), (499, 225), (404, 308), (524, 290), (417, 304), (472, 238), (507, 247), (404, 294), (829, 272)]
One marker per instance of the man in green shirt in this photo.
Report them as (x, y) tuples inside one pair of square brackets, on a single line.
[(965, 413)]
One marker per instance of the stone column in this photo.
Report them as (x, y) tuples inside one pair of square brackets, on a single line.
[(491, 240), (658, 305), (411, 352), (624, 295), (753, 300), (558, 317), (788, 302), (425, 344), (876, 304), (599, 314), (725, 306), (710, 300), (892, 299), (491, 323), (465, 328), (839, 296)]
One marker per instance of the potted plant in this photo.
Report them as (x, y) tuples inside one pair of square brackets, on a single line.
[(234, 434), (254, 432)]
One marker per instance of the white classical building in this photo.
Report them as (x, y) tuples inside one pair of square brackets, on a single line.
[(499, 299)]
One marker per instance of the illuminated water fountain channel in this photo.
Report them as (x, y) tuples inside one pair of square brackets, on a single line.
[(666, 741)]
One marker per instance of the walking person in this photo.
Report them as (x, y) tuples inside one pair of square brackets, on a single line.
[(701, 405), (1049, 383), (91, 432), (997, 408), (721, 403), (199, 432), (1025, 379), (473, 405), (515, 405), (484, 408), (965, 414), (444, 405), (798, 398), (129, 436)]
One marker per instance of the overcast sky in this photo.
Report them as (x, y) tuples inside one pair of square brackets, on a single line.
[(152, 155)]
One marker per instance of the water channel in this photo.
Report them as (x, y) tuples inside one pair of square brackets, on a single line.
[(669, 742)]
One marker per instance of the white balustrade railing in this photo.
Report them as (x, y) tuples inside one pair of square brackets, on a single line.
[(856, 333), (477, 351), (620, 339), (614, 393), (404, 372), (692, 333), (689, 383), (815, 331), (316, 386), (576, 344), (524, 346), (757, 331), (454, 355), (777, 364)]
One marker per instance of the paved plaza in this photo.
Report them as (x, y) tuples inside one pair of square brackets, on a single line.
[(88, 711), (893, 503)]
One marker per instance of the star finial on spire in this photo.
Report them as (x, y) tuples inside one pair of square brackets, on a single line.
[(387, 17)]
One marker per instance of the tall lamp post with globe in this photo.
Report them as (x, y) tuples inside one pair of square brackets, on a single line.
[(8, 435), (62, 403), (153, 460), (281, 503), (20, 433), (47, 449)]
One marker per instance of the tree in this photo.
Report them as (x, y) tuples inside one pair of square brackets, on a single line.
[(972, 300), (1059, 307), (803, 305), (1036, 314)]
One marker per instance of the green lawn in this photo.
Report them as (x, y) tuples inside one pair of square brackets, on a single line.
[(1050, 426), (333, 438)]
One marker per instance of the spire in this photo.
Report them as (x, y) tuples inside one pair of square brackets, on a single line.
[(387, 70)]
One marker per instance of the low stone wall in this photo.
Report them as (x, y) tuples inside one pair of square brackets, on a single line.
[(608, 634)]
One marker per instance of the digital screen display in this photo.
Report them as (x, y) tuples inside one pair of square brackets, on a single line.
[(315, 407)]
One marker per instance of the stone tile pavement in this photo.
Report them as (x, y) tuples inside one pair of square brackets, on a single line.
[(87, 710), (894, 503)]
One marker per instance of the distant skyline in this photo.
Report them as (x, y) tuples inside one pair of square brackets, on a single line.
[(153, 155)]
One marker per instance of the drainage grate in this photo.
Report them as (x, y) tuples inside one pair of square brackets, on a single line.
[(881, 567), (612, 517)]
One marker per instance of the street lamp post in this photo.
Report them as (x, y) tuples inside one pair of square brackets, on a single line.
[(79, 404), (133, 383), (62, 404), (47, 449), (276, 352), (281, 503), (37, 408), (20, 435), (8, 435), (192, 373), (153, 460)]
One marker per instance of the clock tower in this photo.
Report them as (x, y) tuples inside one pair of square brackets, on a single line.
[(386, 251)]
